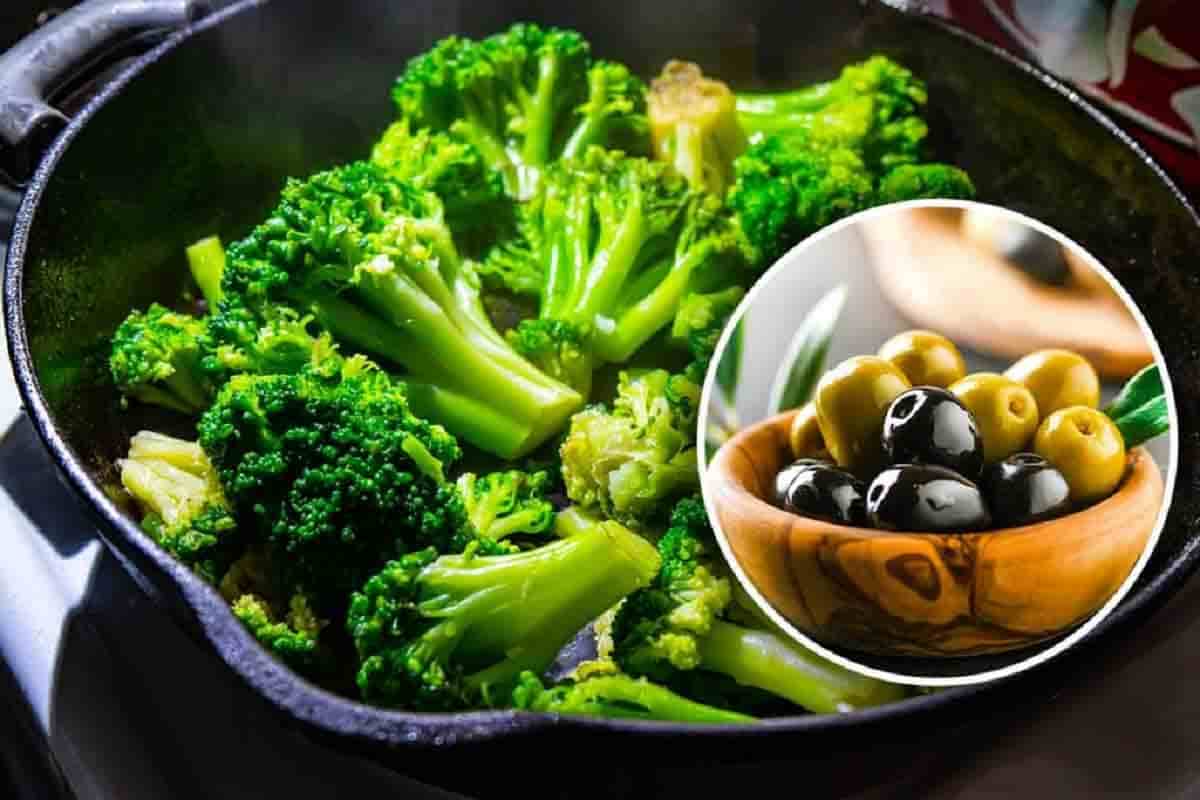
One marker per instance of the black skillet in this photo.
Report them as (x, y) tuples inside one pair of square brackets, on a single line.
[(197, 134)]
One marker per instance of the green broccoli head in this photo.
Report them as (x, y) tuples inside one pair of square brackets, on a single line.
[(445, 633), (783, 194), (187, 513), (921, 181), (522, 98), (631, 461), (336, 472), (507, 503), (158, 356), (293, 637), (470, 191)]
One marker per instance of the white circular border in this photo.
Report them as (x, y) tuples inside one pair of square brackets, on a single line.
[(920, 680)]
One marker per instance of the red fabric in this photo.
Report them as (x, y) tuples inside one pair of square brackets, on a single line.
[(1137, 59)]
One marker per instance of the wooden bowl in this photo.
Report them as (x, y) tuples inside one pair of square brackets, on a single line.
[(921, 594)]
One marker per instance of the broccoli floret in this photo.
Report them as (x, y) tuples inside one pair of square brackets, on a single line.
[(699, 324), (373, 260), (471, 192), (158, 357), (632, 461), (523, 98), (454, 631), (186, 511), (293, 637), (561, 350), (694, 126), (783, 194), (873, 108), (617, 695), (335, 473), (502, 504), (678, 624), (620, 241), (920, 181)]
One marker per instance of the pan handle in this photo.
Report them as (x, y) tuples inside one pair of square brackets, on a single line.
[(60, 50)]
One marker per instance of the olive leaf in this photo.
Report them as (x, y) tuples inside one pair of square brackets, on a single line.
[(805, 359), (1140, 409)]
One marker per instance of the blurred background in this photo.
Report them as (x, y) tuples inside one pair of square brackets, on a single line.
[(986, 279)]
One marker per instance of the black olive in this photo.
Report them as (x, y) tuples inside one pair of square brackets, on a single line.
[(826, 492), (927, 425), (924, 497), (785, 476), (1024, 488)]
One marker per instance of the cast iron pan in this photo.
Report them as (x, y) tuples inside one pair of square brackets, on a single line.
[(197, 135)]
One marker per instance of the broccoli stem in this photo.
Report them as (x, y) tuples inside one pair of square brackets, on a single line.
[(468, 418), (614, 260), (539, 116), (623, 697), (182, 391), (476, 132), (591, 128), (206, 260), (528, 605), (766, 661)]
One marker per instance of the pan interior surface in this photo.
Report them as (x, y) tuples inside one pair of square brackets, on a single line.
[(203, 136)]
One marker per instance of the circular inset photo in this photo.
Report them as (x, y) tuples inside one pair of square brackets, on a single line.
[(939, 442)]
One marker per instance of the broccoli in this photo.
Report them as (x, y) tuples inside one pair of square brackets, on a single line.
[(617, 695), (157, 357), (679, 624), (471, 192), (827, 151), (335, 473), (699, 324), (502, 504), (293, 637), (630, 462), (694, 126), (187, 513), (373, 260), (523, 98), (450, 632), (617, 242), (206, 261), (872, 108)]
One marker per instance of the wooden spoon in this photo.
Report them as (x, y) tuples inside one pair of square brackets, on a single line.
[(942, 280)]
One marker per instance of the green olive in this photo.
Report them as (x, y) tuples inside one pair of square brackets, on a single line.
[(1005, 412), (851, 399), (805, 435), (926, 358), (1058, 379), (1086, 447)]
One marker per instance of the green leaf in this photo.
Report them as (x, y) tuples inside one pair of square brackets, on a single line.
[(729, 365), (1137, 391), (1140, 408), (802, 366)]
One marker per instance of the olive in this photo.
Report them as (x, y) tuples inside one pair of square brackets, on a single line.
[(925, 358), (1058, 379), (1025, 488), (805, 435), (1004, 410), (1086, 447), (785, 476), (826, 492), (851, 399), (924, 497), (928, 425)]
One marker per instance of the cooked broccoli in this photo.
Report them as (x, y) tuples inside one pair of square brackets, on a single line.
[(678, 625), (826, 151), (158, 357), (336, 473), (293, 637), (617, 243), (501, 504), (471, 192), (206, 261), (186, 510), (694, 126), (632, 461), (455, 631), (617, 695), (700, 322), (523, 98), (373, 260), (873, 108)]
